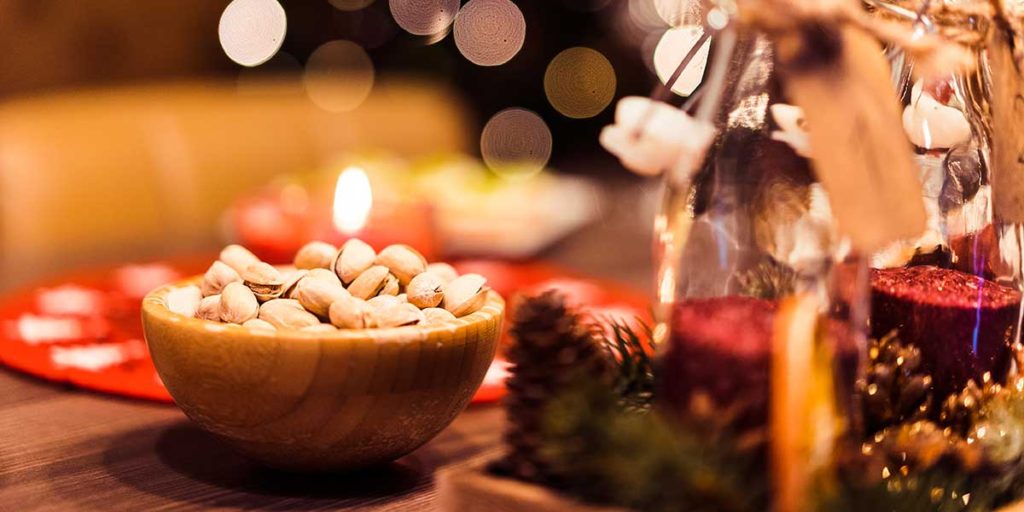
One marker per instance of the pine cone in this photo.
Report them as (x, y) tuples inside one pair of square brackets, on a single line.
[(552, 349), (910, 448), (960, 410), (896, 388)]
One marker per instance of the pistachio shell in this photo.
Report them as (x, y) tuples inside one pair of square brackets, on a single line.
[(375, 281), (238, 304), (425, 290), (319, 328), (291, 280), (325, 275), (446, 272), (351, 313), (209, 308), (397, 315), (317, 295), (185, 300), (217, 277), (238, 257), (315, 255), (353, 259), (382, 301), (465, 294), (437, 316), (403, 261), (287, 314), (391, 286), (264, 280), (258, 324)]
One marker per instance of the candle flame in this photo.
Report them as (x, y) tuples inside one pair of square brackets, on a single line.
[(353, 199)]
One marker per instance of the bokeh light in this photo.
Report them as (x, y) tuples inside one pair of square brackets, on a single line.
[(673, 46), (516, 143), (251, 31), (424, 17), (676, 13), (490, 32), (644, 14), (350, 5), (339, 76), (579, 82)]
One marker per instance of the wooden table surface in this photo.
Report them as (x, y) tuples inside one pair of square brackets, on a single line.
[(64, 449)]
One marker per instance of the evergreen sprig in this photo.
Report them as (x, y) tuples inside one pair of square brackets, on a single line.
[(629, 352), (605, 453)]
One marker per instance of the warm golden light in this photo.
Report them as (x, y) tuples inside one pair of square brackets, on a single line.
[(579, 82), (353, 199)]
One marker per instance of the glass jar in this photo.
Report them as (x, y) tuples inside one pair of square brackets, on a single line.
[(944, 292), (747, 279)]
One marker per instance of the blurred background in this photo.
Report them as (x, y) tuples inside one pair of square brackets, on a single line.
[(134, 130)]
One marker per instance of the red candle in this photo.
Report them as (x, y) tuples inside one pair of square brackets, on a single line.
[(275, 223)]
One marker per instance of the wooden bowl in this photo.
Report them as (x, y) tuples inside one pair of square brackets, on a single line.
[(316, 401)]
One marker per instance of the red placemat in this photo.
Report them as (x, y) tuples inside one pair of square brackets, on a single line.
[(84, 329)]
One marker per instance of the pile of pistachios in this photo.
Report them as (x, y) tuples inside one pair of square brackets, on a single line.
[(353, 287)]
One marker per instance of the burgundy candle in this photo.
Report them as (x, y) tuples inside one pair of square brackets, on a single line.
[(963, 324), (722, 346)]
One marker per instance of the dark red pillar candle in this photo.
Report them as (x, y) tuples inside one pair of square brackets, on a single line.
[(962, 323)]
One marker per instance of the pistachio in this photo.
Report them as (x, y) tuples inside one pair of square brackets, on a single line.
[(217, 277), (403, 261), (402, 297), (465, 294), (317, 295), (258, 324), (324, 274), (397, 315), (185, 300), (264, 280), (437, 316), (315, 255), (382, 301), (391, 286), (319, 328), (291, 280), (354, 258), (375, 281), (209, 308), (425, 290), (351, 313), (446, 272), (238, 257), (238, 304), (287, 314)]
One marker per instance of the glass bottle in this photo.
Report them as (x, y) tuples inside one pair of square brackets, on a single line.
[(753, 321)]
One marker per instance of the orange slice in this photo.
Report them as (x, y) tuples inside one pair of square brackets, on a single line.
[(802, 418)]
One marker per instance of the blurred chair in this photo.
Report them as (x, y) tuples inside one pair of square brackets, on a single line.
[(146, 171)]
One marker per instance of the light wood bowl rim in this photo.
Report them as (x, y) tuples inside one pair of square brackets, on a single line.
[(154, 305)]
